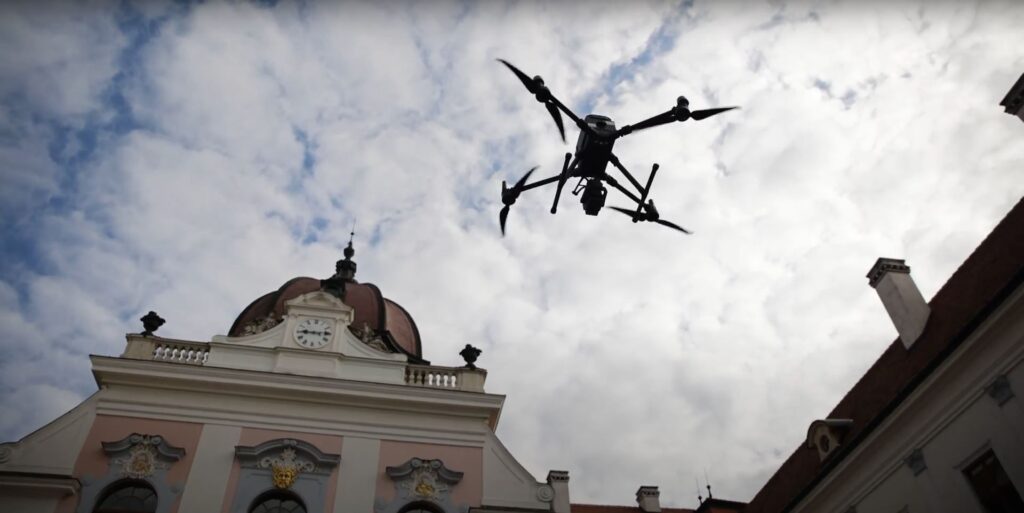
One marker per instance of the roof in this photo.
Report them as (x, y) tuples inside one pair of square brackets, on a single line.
[(975, 290), (601, 508), (714, 505), (1015, 97)]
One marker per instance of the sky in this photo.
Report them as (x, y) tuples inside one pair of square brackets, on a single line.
[(188, 158)]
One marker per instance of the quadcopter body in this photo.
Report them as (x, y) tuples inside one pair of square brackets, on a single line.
[(593, 154)]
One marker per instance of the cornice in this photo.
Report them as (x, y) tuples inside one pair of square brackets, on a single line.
[(294, 388)]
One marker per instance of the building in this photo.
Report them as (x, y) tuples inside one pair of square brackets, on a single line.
[(935, 424), (318, 399)]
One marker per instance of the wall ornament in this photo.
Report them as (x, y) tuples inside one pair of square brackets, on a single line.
[(422, 480), (139, 456)]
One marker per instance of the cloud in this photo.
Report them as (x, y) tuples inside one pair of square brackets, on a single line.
[(248, 138)]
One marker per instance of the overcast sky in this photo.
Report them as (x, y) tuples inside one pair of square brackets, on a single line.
[(187, 159)]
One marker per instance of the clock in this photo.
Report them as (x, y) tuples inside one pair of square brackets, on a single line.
[(313, 333)]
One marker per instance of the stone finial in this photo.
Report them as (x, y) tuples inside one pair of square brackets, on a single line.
[(470, 354), (901, 298), (344, 273), (647, 497), (150, 323)]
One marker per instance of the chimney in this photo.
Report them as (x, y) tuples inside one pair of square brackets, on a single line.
[(907, 308), (559, 481), (647, 499)]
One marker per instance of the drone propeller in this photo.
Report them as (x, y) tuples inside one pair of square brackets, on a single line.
[(509, 196), (536, 86), (650, 215), (698, 115), (681, 112)]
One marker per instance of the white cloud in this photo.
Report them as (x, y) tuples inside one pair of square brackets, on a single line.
[(630, 354)]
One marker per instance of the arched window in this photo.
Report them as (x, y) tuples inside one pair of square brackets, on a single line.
[(420, 507), (278, 501), (127, 496)]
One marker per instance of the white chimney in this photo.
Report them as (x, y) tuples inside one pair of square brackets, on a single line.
[(907, 308), (647, 499), (559, 481)]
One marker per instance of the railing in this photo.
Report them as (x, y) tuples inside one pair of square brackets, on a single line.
[(447, 378), (191, 353), (166, 350)]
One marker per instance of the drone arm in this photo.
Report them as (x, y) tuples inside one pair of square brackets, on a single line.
[(540, 183), (653, 121), (615, 162), (576, 119)]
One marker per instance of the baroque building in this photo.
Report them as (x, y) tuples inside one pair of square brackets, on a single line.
[(318, 399)]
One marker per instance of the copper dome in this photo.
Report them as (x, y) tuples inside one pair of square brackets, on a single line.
[(371, 309)]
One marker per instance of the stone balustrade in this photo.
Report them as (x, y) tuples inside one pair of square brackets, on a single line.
[(197, 353), (447, 378), (166, 350)]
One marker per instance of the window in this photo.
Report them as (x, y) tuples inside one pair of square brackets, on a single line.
[(128, 496), (278, 501), (992, 486)]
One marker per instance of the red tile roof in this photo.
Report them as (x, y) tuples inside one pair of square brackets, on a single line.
[(600, 508), (982, 282)]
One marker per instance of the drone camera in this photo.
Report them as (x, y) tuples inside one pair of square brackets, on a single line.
[(594, 194)]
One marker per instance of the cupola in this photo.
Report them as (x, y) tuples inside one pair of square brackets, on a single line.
[(377, 321)]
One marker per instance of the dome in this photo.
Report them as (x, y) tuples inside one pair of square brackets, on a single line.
[(373, 314)]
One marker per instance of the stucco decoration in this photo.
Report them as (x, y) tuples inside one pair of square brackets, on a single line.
[(422, 480), (285, 464), (825, 435), (545, 493), (145, 457), (139, 456), (370, 337), (915, 461), (999, 390), (259, 325)]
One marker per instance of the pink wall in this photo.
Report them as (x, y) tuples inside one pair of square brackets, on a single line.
[(468, 460), (92, 462), (251, 436)]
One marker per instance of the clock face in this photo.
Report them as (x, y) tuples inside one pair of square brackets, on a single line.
[(313, 333)]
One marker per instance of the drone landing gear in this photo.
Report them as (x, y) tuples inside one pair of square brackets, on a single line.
[(645, 209), (561, 181)]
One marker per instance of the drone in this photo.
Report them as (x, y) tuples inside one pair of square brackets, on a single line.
[(593, 154)]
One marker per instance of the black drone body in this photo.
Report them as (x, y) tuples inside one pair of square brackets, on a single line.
[(593, 154)]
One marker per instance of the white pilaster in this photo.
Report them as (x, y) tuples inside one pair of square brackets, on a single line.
[(357, 476), (211, 466)]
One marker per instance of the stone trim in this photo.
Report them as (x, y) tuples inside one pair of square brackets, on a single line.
[(884, 266)]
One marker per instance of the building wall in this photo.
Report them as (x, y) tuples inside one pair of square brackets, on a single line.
[(952, 419)]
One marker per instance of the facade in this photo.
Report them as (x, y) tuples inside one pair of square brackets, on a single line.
[(937, 423)]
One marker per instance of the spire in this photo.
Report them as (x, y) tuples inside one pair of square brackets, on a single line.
[(344, 270)]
